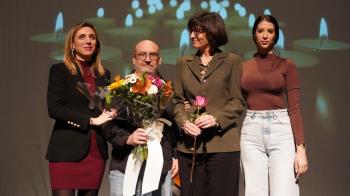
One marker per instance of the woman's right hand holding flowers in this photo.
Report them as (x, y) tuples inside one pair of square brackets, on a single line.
[(106, 116)]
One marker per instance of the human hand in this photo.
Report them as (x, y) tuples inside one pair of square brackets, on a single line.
[(106, 115), (300, 162), (174, 168), (187, 105), (191, 129), (138, 137), (111, 112), (205, 121)]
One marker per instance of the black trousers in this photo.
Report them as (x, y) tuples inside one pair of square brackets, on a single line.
[(215, 174)]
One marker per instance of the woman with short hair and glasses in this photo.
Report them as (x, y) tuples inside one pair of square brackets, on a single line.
[(215, 75)]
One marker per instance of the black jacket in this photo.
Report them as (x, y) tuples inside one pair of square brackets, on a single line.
[(70, 138), (118, 131)]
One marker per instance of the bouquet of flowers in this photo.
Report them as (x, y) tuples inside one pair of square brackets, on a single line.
[(139, 99)]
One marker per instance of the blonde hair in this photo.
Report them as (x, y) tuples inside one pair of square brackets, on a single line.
[(69, 55)]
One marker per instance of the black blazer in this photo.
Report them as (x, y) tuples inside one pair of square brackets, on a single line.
[(70, 138), (117, 133)]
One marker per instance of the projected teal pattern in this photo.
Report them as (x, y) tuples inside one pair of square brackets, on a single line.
[(147, 19)]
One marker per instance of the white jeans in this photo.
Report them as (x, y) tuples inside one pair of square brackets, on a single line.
[(268, 153), (116, 179)]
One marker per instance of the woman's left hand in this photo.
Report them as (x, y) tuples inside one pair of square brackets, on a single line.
[(205, 121), (187, 106), (174, 168), (300, 162)]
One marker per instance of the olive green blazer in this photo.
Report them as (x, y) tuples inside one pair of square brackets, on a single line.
[(221, 87)]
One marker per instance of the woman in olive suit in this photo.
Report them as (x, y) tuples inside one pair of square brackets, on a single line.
[(215, 75)]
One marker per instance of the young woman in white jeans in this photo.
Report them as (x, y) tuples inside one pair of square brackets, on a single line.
[(272, 139)]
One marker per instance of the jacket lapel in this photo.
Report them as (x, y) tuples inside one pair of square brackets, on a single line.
[(217, 60), (100, 80), (79, 74), (80, 84), (193, 62)]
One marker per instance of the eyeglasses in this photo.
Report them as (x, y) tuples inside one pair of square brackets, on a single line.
[(154, 56), (197, 31)]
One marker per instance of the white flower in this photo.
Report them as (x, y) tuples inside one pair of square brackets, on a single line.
[(152, 90), (131, 78)]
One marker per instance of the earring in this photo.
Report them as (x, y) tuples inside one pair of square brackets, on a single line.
[(73, 52)]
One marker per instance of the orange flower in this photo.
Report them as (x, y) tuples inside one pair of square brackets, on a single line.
[(168, 89), (141, 86), (117, 78)]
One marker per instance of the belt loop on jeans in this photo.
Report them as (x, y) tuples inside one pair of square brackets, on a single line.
[(253, 116)]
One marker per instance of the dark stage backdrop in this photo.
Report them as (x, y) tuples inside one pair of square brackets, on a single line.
[(29, 46)]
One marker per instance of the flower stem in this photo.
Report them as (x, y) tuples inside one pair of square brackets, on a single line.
[(193, 158), (194, 149)]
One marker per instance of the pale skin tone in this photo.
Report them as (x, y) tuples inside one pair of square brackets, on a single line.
[(84, 45), (200, 42), (146, 59), (264, 38)]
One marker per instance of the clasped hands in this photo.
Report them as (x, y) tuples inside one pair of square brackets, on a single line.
[(203, 122)]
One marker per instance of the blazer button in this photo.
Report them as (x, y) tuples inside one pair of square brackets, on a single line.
[(205, 80)]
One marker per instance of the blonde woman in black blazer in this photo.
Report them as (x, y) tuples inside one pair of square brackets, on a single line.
[(215, 75), (77, 150)]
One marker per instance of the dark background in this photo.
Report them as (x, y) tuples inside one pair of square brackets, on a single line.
[(26, 126)]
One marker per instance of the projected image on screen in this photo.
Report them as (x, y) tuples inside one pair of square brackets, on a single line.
[(166, 22), (313, 33)]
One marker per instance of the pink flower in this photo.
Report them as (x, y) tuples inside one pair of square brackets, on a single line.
[(200, 102), (156, 81), (150, 77)]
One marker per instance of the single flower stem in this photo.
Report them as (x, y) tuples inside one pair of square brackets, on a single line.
[(193, 158), (195, 149)]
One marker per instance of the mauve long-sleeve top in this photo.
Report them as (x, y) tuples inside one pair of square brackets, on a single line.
[(270, 82)]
